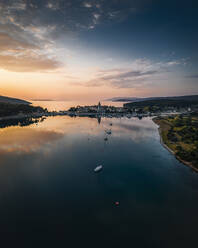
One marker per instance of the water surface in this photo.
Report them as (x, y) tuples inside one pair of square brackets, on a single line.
[(50, 196)]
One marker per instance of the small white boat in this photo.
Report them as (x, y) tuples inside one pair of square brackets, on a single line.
[(108, 131), (98, 168)]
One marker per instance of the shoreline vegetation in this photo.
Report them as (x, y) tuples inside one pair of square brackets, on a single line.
[(13, 109), (179, 135), (12, 114), (10, 111), (22, 122)]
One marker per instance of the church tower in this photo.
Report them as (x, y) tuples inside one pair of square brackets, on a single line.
[(99, 107)]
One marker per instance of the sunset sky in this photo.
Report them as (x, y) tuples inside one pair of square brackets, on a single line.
[(98, 49)]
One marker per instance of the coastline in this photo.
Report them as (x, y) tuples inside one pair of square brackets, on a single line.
[(68, 113), (71, 114), (189, 164), (22, 116)]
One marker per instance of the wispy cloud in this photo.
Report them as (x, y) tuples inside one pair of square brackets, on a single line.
[(21, 55), (29, 33), (29, 27), (141, 72), (25, 63), (192, 76), (8, 43)]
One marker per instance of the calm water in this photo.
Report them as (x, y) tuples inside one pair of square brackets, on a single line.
[(50, 196)]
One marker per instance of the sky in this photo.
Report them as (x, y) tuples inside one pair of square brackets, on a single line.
[(98, 49)]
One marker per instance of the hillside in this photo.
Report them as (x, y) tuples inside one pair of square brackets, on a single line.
[(5, 99), (177, 102), (180, 134), (10, 109), (12, 106)]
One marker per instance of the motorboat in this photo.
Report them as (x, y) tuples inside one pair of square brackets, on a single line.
[(98, 168)]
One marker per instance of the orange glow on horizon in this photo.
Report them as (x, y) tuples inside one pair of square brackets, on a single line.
[(53, 86)]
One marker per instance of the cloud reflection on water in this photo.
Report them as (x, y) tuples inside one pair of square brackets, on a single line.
[(36, 138), (25, 140)]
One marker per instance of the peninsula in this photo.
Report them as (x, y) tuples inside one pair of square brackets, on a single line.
[(15, 111), (11, 100), (179, 134)]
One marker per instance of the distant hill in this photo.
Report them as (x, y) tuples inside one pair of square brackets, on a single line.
[(123, 99), (43, 100), (5, 99), (132, 99), (175, 101), (142, 99)]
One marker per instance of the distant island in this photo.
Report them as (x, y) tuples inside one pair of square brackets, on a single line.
[(123, 99), (43, 100)]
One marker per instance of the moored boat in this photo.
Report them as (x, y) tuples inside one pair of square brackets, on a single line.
[(98, 168)]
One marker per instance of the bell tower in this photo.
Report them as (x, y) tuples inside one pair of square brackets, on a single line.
[(99, 107)]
